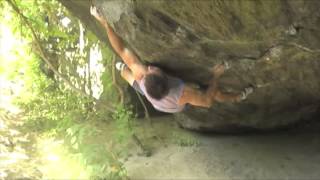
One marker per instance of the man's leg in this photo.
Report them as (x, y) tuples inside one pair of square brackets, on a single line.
[(128, 76), (196, 97), (217, 95), (223, 97)]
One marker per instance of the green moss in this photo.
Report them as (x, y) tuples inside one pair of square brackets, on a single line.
[(183, 138), (256, 17)]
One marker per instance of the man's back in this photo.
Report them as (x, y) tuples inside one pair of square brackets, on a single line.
[(169, 103)]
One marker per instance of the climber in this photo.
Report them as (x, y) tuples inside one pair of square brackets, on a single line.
[(166, 93)]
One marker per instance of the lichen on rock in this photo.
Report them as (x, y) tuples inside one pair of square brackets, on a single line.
[(272, 45)]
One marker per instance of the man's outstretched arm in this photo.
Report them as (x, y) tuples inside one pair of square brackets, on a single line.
[(137, 68)]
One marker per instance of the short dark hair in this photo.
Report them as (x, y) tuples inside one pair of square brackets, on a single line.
[(156, 85)]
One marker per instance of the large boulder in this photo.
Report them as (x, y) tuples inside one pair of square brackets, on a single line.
[(272, 45)]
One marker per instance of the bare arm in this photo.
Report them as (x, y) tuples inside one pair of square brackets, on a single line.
[(132, 61), (206, 98)]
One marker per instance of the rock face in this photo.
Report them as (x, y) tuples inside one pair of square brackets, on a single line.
[(272, 45)]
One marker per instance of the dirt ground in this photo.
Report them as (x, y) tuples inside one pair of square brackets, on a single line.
[(293, 154), (180, 154)]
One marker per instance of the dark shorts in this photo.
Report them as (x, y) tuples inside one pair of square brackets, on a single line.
[(136, 86)]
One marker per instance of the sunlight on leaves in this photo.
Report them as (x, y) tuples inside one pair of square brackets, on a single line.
[(63, 142), (58, 164)]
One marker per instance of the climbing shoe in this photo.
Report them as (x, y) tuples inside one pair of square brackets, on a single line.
[(246, 92), (120, 66), (226, 65)]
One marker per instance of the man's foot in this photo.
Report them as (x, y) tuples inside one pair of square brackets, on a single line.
[(120, 66), (226, 65), (245, 93)]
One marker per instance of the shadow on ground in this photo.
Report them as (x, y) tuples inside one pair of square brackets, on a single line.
[(292, 153)]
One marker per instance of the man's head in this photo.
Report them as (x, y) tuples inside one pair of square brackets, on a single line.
[(156, 83)]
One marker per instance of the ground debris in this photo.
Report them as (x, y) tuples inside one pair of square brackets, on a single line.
[(17, 160)]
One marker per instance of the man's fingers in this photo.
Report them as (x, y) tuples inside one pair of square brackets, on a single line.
[(219, 68), (93, 10)]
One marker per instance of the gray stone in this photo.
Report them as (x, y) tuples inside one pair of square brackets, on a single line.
[(186, 38)]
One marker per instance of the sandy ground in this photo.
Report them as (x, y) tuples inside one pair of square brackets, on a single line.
[(292, 154)]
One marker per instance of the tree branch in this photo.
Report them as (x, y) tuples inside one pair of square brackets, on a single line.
[(146, 112), (114, 80), (46, 59)]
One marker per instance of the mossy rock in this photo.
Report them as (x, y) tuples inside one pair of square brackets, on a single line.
[(272, 45)]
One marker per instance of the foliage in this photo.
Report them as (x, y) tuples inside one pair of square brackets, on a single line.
[(95, 156), (63, 115), (51, 109), (184, 139), (54, 109), (123, 117)]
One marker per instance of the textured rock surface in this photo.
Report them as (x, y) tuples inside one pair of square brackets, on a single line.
[(272, 45)]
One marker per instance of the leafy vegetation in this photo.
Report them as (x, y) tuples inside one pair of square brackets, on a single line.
[(61, 76), (184, 139), (53, 59)]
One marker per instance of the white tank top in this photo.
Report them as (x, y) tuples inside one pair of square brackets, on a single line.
[(169, 103)]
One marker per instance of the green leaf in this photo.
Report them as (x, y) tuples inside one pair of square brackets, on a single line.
[(73, 140)]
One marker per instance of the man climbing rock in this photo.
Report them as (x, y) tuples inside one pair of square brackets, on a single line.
[(166, 93)]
